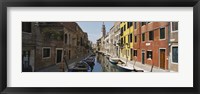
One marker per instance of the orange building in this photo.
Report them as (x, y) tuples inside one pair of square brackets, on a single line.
[(151, 43)]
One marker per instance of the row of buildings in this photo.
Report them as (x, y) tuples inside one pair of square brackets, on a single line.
[(46, 44), (149, 43)]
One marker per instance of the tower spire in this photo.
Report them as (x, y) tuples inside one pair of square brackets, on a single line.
[(103, 30)]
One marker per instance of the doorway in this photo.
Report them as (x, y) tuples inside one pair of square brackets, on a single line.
[(131, 54), (26, 67), (162, 58), (58, 55), (143, 57)]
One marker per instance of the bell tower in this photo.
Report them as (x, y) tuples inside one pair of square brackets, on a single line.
[(103, 30)]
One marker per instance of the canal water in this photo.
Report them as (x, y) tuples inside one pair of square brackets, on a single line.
[(102, 64)]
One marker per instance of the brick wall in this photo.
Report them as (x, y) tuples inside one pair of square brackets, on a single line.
[(154, 45)]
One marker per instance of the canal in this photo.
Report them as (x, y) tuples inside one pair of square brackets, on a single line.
[(102, 64)]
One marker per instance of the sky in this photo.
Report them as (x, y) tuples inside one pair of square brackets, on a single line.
[(93, 28)]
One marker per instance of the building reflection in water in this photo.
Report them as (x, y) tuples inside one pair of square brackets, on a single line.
[(106, 65)]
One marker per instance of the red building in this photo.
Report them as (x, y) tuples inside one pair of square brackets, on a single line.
[(151, 43)]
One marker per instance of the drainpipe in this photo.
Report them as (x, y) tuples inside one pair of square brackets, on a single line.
[(169, 45)]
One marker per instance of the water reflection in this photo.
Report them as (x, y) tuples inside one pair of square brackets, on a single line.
[(102, 64)]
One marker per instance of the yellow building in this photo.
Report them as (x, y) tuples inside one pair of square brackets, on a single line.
[(126, 37)]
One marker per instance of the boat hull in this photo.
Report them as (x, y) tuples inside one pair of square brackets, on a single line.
[(124, 67)]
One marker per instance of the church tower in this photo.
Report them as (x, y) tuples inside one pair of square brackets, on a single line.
[(103, 30)]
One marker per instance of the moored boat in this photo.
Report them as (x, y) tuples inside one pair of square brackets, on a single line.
[(107, 56), (128, 67), (124, 67), (90, 61), (113, 61), (80, 67)]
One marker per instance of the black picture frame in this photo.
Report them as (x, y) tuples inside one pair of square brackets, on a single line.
[(98, 3)]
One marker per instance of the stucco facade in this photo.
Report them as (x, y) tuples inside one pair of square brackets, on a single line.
[(126, 40)]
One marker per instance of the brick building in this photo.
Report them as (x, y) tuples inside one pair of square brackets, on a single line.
[(49, 45), (28, 46), (75, 41), (151, 43), (45, 44)]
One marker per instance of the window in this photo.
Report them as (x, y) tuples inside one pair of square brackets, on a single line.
[(149, 54), (135, 25), (175, 54), (162, 33), (143, 37), (174, 26), (125, 27), (65, 38), (144, 23), (122, 31), (130, 24), (26, 27), (151, 35), (135, 53), (46, 52), (135, 38), (131, 37)]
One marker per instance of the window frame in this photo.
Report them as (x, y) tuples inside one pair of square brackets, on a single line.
[(135, 50), (172, 54), (160, 34), (135, 25), (147, 57), (144, 37), (43, 52), (61, 56), (135, 39), (129, 24), (124, 27), (149, 35), (66, 36), (121, 31), (131, 37), (172, 28)]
